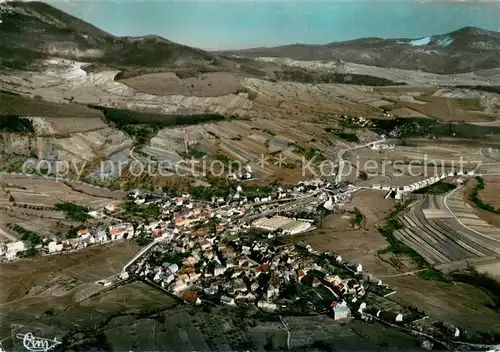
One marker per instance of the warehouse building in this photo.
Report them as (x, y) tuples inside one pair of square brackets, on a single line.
[(287, 225)]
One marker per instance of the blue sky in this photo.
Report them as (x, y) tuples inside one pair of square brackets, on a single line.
[(242, 24)]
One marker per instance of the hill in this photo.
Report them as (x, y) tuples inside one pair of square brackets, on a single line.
[(466, 49), (35, 30)]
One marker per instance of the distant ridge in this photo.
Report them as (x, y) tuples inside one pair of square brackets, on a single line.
[(463, 50), (35, 30)]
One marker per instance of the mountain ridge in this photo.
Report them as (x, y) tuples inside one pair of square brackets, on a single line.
[(465, 49), (56, 33)]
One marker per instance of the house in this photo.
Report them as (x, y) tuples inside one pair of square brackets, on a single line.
[(239, 285), (110, 208), (316, 282), (340, 310), (255, 286), (268, 306), (219, 270), (212, 290), (101, 236), (173, 268), (83, 234), (334, 279), (262, 268), (55, 247), (191, 297), (118, 232), (227, 300), (301, 273), (12, 248), (96, 215), (179, 285), (179, 221)]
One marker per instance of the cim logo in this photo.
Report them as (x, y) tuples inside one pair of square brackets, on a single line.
[(37, 344)]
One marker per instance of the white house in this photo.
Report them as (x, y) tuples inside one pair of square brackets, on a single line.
[(55, 247), (227, 300), (117, 232), (12, 248), (269, 306), (110, 207), (340, 310), (359, 268)]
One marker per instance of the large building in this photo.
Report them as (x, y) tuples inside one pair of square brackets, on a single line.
[(287, 225)]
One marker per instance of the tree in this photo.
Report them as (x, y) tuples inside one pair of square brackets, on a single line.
[(363, 176)]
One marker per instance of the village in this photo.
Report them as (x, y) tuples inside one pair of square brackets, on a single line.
[(238, 248), (170, 214)]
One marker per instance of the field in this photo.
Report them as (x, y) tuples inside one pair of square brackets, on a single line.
[(444, 237), (168, 83), (459, 304), (491, 192), (357, 245), (30, 281), (444, 109), (136, 316), (31, 191), (21, 106), (29, 203)]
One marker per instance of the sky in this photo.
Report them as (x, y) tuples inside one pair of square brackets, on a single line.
[(238, 24)]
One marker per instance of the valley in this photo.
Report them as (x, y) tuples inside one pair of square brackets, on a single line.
[(130, 166)]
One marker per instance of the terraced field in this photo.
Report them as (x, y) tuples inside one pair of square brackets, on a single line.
[(439, 235), (247, 141)]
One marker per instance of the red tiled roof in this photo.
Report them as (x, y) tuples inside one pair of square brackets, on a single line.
[(190, 296), (263, 267)]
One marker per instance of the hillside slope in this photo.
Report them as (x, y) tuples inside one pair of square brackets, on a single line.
[(35, 30), (467, 49)]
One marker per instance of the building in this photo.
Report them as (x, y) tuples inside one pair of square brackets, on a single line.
[(340, 310), (96, 214), (191, 297), (295, 227), (227, 300), (12, 248), (118, 232), (101, 236), (287, 225), (267, 306), (83, 234), (55, 247)]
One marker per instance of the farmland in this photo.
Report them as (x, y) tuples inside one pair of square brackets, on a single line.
[(448, 237), (31, 204), (136, 316)]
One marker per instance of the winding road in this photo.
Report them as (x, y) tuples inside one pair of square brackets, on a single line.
[(459, 221), (341, 161)]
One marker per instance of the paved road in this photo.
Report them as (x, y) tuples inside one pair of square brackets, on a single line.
[(145, 249), (459, 221), (341, 153)]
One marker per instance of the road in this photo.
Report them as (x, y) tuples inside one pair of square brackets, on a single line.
[(341, 153), (287, 332), (459, 221), (402, 274), (145, 249)]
